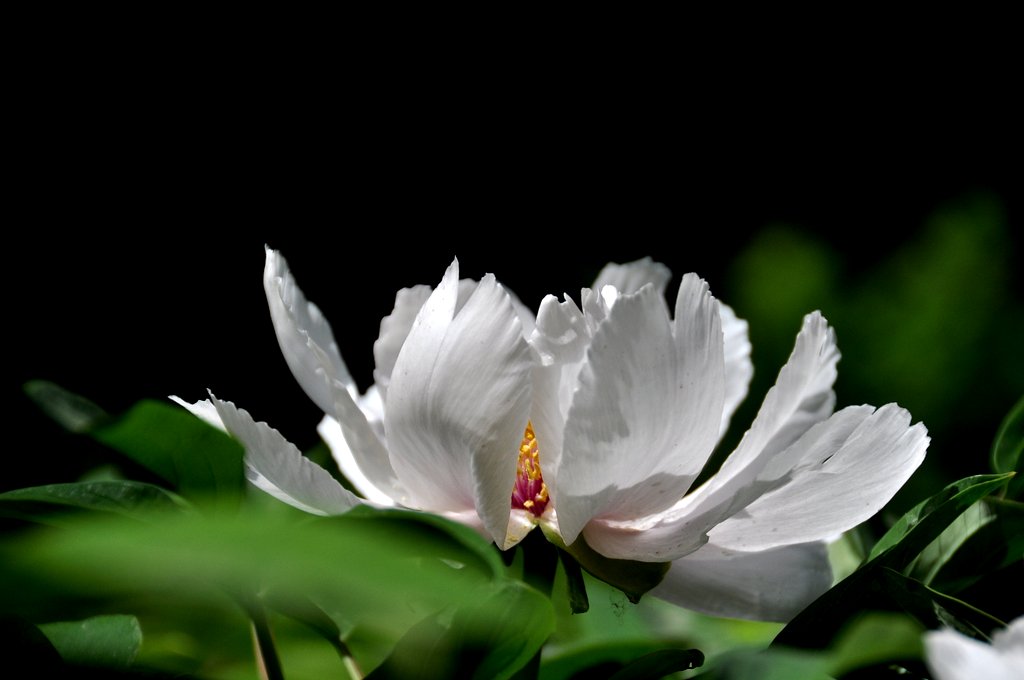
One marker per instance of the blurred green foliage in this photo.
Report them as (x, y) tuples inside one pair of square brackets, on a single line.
[(932, 323)]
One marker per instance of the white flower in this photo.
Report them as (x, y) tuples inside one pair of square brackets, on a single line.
[(953, 656), (594, 420)]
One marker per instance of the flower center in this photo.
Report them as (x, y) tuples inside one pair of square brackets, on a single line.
[(530, 492)]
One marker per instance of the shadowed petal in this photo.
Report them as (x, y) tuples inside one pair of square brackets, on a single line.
[(459, 401), (836, 487), (767, 586), (646, 413), (273, 464), (394, 329)]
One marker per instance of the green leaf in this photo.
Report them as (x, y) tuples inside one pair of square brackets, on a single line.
[(1008, 447), (659, 664), (493, 638), (401, 526), (925, 521), (378, 569), (874, 638), (73, 412), (49, 503), (936, 609), (769, 664), (199, 460), (632, 578), (998, 544), (816, 625), (108, 641), (940, 551)]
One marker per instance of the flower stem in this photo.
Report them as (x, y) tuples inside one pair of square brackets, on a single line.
[(266, 654), (540, 560)]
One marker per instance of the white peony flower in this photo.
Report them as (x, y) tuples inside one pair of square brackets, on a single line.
[(593, 420)]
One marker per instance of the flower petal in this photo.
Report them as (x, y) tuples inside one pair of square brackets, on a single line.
[(394, 329), (275, 465), (954, 656), (738, 367), (646, 413), (331, 432), (301, 330), (458, 403), (773, 585), (632, 276), (835, 488)]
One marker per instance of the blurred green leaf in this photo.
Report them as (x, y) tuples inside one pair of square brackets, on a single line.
[(107, 641), (197, 459), (875, 638), (380, 568), (48, 503), (1008, 447), (492, 638), (659, 664), (73, 412), (864, 590), (769, 664)]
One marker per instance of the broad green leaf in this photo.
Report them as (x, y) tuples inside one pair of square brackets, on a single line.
[(816, 625), (48, 503), (362, 567), (418, 527), (199, 460), (492, 638), (875, 638), (1008, 448), (73, 412), (108, 641), (659, 664)]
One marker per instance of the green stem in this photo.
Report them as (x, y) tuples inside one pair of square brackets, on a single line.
[(540, 561), (266, 654)]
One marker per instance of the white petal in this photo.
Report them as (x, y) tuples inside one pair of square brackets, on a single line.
[(835, 487), (304, 335), (801, 397), (646, 414), (204, 410), (766, 586), (520, 524), (459, 402), (277, 467), (394, 329), (330, 431), (561, 335), (953, 656), (632, 276), (738, 367)]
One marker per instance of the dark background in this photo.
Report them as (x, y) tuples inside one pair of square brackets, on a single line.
[(143, 193)]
